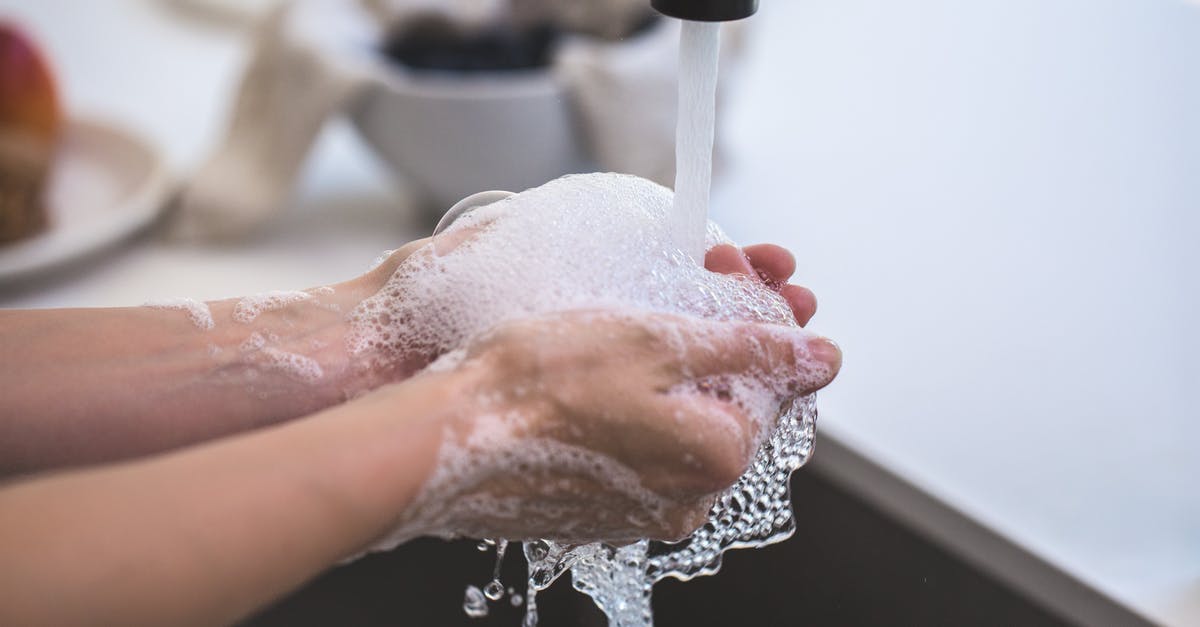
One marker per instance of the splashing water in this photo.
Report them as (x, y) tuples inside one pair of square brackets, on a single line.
[(755, 512), (474, 603)]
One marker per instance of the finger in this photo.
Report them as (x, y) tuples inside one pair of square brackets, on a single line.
[(791, 356), (726, 259), (404, 251), (445, 242), (385, 270), (802, 301), (775, 264)]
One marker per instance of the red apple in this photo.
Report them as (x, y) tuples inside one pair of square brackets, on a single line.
[(28, 97), (30, 121)]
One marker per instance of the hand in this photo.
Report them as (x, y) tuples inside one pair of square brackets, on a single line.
[(593, 425), (771, 264), (318, 327)]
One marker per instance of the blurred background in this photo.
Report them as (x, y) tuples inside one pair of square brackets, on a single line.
[(997, 203)]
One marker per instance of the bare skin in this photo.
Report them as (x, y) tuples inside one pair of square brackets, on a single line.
[(84, 386), (208, 533), (65, 383)]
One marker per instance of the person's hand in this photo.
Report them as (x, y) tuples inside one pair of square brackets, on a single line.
[(603, 425), (771, 264)]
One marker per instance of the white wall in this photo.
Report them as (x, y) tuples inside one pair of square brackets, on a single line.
[(996, 202)]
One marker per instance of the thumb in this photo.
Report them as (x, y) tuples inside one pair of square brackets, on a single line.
[(797, 358)]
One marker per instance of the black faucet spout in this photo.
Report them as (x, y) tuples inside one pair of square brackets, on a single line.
[(706, 10)]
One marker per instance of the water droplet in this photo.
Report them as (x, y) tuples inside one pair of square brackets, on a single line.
[(538, 550), (501, 547), (494, 590), (474, 603), (531, 611)]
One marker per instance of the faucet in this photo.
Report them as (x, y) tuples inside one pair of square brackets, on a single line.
[(706, 10)]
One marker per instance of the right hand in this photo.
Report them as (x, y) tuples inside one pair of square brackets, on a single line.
[(553, 398)]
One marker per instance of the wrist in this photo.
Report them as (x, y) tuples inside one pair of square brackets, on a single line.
[(284, 351), (291, 349), (389, 442), (295, 344)]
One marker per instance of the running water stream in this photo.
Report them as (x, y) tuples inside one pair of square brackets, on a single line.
[(699, 53)]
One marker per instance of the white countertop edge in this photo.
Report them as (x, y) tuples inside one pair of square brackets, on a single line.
[(964, 536)]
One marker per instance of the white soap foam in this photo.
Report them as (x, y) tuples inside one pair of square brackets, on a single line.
[(255, 342), (197, 312), (251, 307), (293, 365), (260, 350), (580, 242), (588, 242)]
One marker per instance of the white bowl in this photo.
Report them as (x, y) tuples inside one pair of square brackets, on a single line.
[(451, 135)]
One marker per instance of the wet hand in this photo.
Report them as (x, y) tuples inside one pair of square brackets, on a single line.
[(772, 265), (597, 425)]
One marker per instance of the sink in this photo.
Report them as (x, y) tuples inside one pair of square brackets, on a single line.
[(849, 563)]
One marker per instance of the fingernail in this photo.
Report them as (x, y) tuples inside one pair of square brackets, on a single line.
[(747, 267), (825, 350)]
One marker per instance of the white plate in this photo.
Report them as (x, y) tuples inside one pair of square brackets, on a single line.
[(107, 184)]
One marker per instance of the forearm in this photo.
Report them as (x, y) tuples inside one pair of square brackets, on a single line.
[(206, 535), (89, 385)]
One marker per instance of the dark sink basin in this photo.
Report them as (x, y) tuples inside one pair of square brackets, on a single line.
[(869, 549), (849, 563)]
